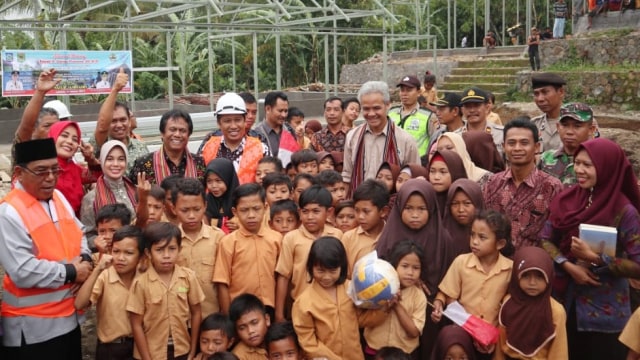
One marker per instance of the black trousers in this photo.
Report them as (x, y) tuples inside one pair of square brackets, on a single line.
[(115, 351), (67, 346)]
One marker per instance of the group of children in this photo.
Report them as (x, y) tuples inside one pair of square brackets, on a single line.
[(261, 270)]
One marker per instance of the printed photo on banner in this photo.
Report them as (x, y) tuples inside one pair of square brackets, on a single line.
[(82, 72)]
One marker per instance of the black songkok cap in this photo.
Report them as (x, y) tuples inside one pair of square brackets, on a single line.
[(33, 150), (539, 80)]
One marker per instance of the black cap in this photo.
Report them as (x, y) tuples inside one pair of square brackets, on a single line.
[(474, 95), (34, 150), (410, 81), (15, 72), (447, 99), (539, 80)]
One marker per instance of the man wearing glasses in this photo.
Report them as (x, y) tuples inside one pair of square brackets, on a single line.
[(244, 151), (45, 257)]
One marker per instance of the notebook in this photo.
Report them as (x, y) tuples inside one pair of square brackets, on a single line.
[(601, 239)]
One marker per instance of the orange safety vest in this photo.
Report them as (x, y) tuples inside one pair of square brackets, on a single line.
[(251, 154), (54, 243)]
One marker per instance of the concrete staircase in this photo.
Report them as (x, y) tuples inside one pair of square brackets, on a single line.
[(494, 71)]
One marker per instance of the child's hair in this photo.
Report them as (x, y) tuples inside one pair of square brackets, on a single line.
[(170, 182), (303, 156), (161, 233), (276, 178), (294, 111), (500, 224), (391, 353), (289, 167), (280, 331), (156, 192), (285, 205), (328, 252), (114, 212), (404, 248), (218, 321), (421, 99), (247, 190), (316, 194), (272, 160), (329, 178), (345, 103), (188, 186), (373, 190), (429, 77), (345, 204), (306, 176), (129, 231), (313, 125), (243, 304), (223, 356)]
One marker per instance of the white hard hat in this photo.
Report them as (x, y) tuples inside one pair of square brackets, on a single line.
[(59, 107), (230, 103)]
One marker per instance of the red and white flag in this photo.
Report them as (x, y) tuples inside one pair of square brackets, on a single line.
[(288, 145), (481, 331)]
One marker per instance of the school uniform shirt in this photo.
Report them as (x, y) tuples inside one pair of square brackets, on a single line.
[(244, 352), (327, 328), (358, 243), (199, 255), (630, 336), (292, 263), (246, 263), (480, 293), (109, 295), (557, 348), (391, 332), (165, 309)]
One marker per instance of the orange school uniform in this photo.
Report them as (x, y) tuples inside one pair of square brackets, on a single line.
[(292, 263), (244, 352), (358, 243), (109, 295), (246, 263)]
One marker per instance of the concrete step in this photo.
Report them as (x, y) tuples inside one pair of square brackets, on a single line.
[(507, 79), (500, 51), (488, 70), (493, 87), (501, 96), (494, 63)]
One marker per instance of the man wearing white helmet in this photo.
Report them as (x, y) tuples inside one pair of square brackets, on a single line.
[(36, 121), (244, 151)]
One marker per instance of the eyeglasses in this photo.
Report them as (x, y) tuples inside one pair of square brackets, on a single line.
[(44, 173)]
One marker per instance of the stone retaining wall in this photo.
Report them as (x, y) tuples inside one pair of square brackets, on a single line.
[(620, 89), (361, 73), (599, 49)]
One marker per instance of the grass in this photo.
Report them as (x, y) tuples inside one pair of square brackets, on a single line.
[(583, 67)]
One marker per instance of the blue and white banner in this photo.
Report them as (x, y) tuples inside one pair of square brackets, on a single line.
[(82, 72)]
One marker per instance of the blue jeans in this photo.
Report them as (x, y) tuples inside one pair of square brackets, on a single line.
[(558, 28)]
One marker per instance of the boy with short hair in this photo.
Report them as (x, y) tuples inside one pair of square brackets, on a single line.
[(284, 216), (267, 165), (247, 257), (251, 320), (305, 161), (371, 199), (168, 184), (315, 207), (332, 181), (155, 204), (282, 342), (108, 291), (109, 219), (159, 333), (277, 186), (199, 241), (301, 183), (217, 334)]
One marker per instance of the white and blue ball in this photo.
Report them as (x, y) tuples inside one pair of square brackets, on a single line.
[(375, 282)]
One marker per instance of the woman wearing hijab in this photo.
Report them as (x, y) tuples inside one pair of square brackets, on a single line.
[(483, 151), (415, 216), (593, 285), (113, 187), (444, 168), (464, 199), (72, 176), (454, 142), (219, 202), (532, 324)]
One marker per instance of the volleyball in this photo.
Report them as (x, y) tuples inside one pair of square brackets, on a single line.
[(374, 282)]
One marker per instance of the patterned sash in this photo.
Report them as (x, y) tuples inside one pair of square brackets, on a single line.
[(161, 168), (389, 155)]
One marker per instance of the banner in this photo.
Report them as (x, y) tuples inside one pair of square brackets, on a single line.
[(82, 72)]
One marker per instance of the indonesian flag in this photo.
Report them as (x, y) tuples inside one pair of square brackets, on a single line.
[(288, 145), (481, 331)]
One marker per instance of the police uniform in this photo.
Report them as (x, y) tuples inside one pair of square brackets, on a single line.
[(478, 95), (418, 122)]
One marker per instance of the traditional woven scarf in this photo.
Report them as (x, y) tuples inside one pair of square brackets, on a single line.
[(161, 168), (389, 155), (104, 195)]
